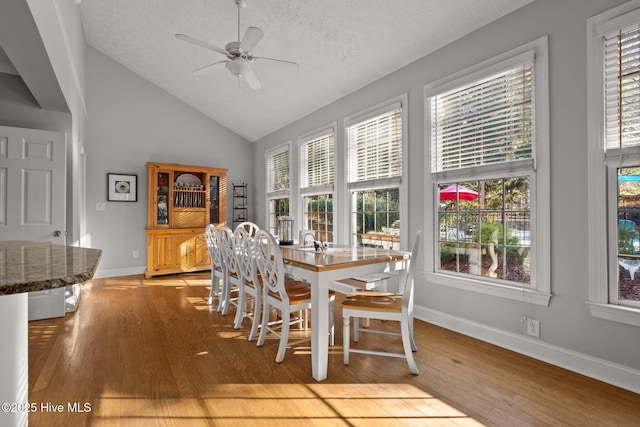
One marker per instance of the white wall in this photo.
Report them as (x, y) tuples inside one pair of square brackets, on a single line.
[(130, 122), (570, 337), (60, 28)]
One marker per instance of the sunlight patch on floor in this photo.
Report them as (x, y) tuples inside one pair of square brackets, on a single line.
[(233, 334), (199, 303), (278, 404)]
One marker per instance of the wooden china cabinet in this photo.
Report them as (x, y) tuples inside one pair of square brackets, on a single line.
[(182, 200)]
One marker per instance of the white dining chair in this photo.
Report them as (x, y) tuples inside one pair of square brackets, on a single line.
[(282, 292), (384, 306), (243, 246), (218, 275), (232, 280)]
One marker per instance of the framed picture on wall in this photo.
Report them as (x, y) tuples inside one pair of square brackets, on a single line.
[(122, 187)]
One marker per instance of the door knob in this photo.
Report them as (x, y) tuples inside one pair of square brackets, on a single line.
[(57, 233)]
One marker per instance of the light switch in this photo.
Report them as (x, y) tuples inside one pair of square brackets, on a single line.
[(100, 206)]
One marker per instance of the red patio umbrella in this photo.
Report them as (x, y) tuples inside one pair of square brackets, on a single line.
[(463, 193)]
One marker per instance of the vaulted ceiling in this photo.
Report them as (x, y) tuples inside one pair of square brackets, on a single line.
[(340, 45)]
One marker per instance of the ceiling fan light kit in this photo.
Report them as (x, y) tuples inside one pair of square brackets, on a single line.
[(240, 60)]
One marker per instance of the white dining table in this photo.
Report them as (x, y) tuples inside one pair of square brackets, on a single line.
[(321, 268)]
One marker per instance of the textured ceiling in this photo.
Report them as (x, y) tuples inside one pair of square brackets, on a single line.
[(341, 46)]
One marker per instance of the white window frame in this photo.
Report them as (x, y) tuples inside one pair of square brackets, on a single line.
[(279, 194), (599, 261), (539, 292), (384, 183), (319, 190)]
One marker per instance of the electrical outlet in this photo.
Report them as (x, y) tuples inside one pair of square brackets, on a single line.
[(533, 328), (136, 254)]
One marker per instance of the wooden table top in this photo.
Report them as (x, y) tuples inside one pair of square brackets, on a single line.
[(337, 256)]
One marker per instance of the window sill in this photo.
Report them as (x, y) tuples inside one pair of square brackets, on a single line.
[(615, 313), (494, 289)]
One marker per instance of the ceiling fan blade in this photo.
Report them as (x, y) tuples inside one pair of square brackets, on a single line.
[(200, 43), (280, 62), (252, 79), (251, 39), (208, 68)]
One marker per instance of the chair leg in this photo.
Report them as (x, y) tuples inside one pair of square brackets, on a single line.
[(414, 346), (224, 304), (214, 287), (257, 305), (406, 343), (240, 309), (345, 339), (332, 337), (217, 291), (284, 335), (356, 329), (264, 323)]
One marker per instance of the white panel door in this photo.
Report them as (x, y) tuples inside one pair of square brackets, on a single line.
[(33, 199), (32, 185)]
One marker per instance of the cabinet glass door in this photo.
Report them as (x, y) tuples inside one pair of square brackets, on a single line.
[(214, 197), (162, 214)]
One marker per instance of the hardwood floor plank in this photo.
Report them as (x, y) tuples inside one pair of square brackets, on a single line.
[(151, 352)]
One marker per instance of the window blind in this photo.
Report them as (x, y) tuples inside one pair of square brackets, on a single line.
[(375, 147), (278, 172), (316, 159), (486, 122), (622, 88)]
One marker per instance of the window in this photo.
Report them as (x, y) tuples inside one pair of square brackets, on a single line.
[(317, 152), (277, 168), (484, 229), (375, 146), (614, 164), (377, 218), (486, 126)]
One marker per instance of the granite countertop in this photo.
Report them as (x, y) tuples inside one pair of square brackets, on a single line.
[(36, 266)]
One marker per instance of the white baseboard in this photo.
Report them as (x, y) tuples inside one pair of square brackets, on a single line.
[(599, 369), (118, 272)]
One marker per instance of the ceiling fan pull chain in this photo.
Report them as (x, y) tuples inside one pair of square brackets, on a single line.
[(238, 3)]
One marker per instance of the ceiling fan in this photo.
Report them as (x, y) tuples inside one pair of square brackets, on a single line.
[(240, 60)]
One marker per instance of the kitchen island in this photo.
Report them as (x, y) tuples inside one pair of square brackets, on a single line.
[(28, 267)]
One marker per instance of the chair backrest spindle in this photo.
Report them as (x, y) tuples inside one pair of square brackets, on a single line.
[(270, 264), (243, 244), (250, 227), (226, 240)]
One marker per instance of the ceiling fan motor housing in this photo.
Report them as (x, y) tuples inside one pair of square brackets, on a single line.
[(234, 51)]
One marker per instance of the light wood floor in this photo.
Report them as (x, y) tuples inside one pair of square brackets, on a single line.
[(150, 353)]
